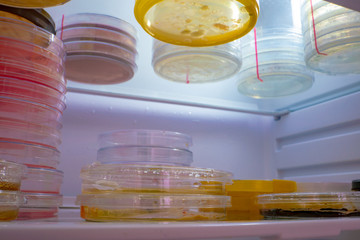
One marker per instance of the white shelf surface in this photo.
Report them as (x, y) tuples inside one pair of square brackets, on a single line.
[(68, 225)]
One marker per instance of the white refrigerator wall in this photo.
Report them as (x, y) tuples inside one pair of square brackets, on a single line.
[(226, 140)]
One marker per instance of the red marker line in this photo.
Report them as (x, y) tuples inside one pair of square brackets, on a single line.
[(313, 22), (187, 76), (257, 59), (62, 26)]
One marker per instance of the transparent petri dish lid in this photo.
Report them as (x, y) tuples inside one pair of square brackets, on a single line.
[(99, 21), (38, 17), (145, 137), (42, 180), (31, 155), (316, 187), (151, 200), (44, 174), (42, 200), (19, 31), (30, 91), (97, 68), (145, 155), (199, 23), (11, 198), (33, 3), (196, 64)]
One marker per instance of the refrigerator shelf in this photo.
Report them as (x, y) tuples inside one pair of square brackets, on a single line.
[(70, 226)]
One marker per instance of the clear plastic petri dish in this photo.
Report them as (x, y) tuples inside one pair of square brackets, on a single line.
[(196, 64), (50, 77), (145, 155), (323, 187), (9, 205), (332, 38), (22, 110), (33, 3), (309, 205), (273, 64), (31, 155), (196, 23), (11, 174), (119, 178), (30, 91), (172, 207), (15, 130), (145, 137), (38, 17), (42, 180)]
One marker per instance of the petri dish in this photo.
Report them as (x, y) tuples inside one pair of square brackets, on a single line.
[(196, 23), (42, 180), (11, 174), (323, 187), (172, 207), (31, 155), (15, 130), (118, 178), (33, 3), (310, 205), (38, 17), (277, 68), (145, 155), (40, 205), (335, 46), (9, 205), (145, 137), (196, 64)]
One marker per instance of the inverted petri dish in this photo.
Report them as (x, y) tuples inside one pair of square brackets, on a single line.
[(33, 3), (42, 180), (38, 17), (198, 22), (99, 21), (145, 137), (100, 178), (127, 206), (196, 64), (30, 91), (31, 155), (12, 129), (145, 155), (11, 174), (9, 204), (310, 205), (336, 47), (28, 111)]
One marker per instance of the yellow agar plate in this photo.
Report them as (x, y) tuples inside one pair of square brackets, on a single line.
[(32, 3), (196, 22)]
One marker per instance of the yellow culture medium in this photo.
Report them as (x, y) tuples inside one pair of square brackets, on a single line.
[(32, 3), (196, 22)]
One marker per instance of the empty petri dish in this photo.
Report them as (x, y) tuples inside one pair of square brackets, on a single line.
[(10, 202), (31, 155), (11, 174), (197, 22), (42, 180), (309, 205), (40, 205), (145, 155), (117, 178), (332, 37), (32, 3), (38, 17), (196, 64), (273, 64), (145, 137), (145, 206)]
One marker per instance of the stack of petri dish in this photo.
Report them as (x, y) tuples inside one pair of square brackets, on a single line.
[(146, 175), (32, 101), (100, 49), (273, 53), (196, 64), (312, 200), (10, 196), (332, 37)]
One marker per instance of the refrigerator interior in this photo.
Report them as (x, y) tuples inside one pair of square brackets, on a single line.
[(311, 136)]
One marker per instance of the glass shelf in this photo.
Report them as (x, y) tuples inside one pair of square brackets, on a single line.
[(146, 85)]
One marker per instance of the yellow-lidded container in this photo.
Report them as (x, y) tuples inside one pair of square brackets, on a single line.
[(196, 22), (32, 3), (243, 193)]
